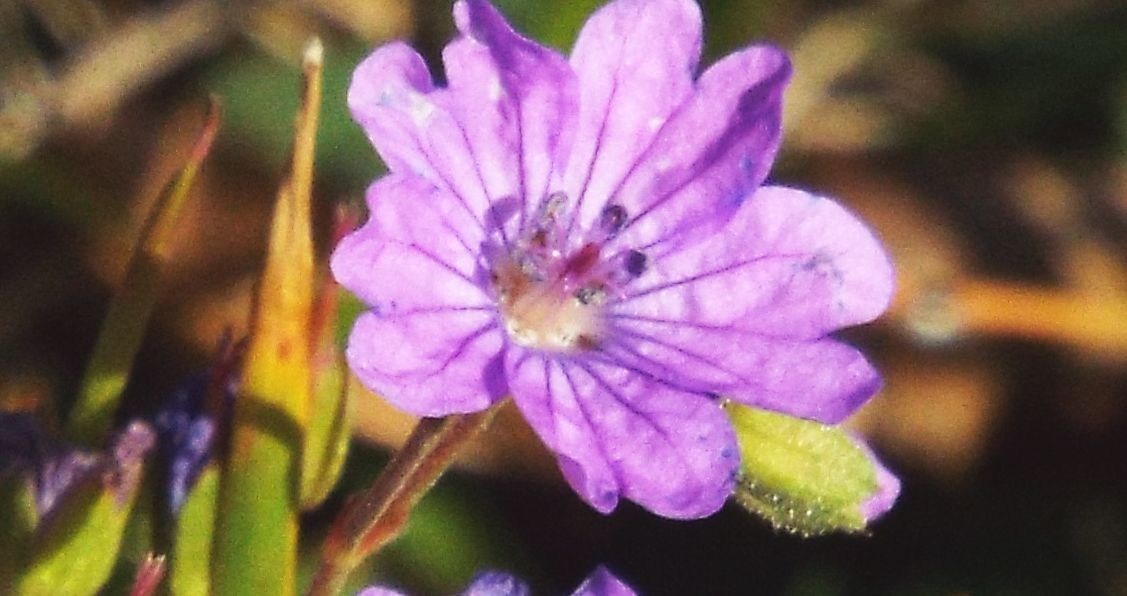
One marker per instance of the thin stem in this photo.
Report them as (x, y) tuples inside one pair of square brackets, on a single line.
[(375, 517)]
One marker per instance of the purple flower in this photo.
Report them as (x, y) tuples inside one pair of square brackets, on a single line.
[(51, 465), (54, 467), (592, 236), (497, 583), (189, 421), (185, 433)]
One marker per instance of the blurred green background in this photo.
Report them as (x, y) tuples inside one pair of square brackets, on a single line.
[(984, 141)]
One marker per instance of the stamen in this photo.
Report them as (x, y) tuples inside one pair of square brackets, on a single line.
[(635, 263), (546, 229), (592, 295), (612, 219), (551, 207)]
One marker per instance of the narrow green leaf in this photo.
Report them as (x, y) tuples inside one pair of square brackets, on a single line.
[(801, 476), (75, 548), (190, 567), (129, 311)]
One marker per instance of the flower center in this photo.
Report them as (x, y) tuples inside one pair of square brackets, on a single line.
[(551, 297)]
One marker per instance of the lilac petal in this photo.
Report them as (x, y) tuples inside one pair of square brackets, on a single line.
[(184, 437), (380, 591), (617, 432), (515, 100), (496, 583), (888, 487), (431, 363), (388, 98), (789, 265), (823, 380), (714, 150), (418, 250), (635, 60), (393, 98), (602, 582)]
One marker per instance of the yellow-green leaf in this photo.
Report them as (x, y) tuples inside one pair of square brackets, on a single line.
[(124, 326), (256, 541)]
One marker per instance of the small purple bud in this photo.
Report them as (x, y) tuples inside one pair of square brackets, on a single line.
[(49, 464), (123, 470)]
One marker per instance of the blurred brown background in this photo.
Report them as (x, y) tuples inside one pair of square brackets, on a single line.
[(984, 141)]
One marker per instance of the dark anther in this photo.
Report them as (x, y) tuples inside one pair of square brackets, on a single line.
[(636, 263), (591, 295), (612, 219)]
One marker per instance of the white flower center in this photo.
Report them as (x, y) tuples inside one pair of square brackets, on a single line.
[(552, 299)]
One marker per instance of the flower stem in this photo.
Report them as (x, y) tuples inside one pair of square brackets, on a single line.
[(372, 519)]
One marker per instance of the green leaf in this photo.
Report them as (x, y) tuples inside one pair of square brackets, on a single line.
[(803, 477), (190, 567), (124, 326), (75, 548)]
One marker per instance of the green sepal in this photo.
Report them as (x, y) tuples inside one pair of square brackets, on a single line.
[(327, 437), (803, 477)]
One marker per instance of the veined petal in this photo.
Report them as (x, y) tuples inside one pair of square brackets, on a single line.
[(619, 432), (789, 264), (419, 249), (393, 98), (823, 380), (716, 148), (516, 101), (635, 60), (388, 97), (430, 363)]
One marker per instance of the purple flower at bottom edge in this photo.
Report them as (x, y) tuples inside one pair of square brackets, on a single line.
[(601, 582), (592, 235)]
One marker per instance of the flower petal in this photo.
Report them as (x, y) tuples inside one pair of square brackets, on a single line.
[(823, 380), (496, 583), (635, 60), (395, 101), (617, 432), (602, 582), (430, 363), (418, 250), (789, 264), (380, 591), (715, 149), (515, 99), (887, 491)]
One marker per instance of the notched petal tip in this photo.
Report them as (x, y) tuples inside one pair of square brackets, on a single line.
[(385, 76), (600, 492)]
